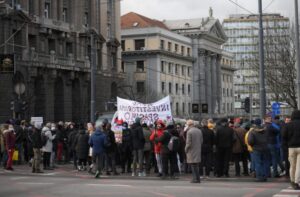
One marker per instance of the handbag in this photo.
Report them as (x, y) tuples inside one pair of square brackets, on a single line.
[(15, 155)]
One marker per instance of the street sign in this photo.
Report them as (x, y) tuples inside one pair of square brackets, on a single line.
[(20, 88)]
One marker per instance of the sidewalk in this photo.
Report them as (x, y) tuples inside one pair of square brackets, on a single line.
[(289, 192)]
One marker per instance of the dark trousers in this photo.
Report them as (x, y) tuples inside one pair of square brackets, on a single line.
[(98, 160), (126, 159), (138, 160), (82, 162), (285, 155), (46, 159), (168, 158), (237, 158), (223, 158), (74, 158), (206, 158), (110, 161), (195, 172), (147, 155)]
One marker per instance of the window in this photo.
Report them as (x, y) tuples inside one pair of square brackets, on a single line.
[(224, 94), (69, 48), (170, 68), (162, 87), (176, 48), (188, 51), (65, 15), (170, 88), (227, 90), (123, 45), (189, 89), (183, 71), (176, 69), (182, 50), (177, 108), (169, 46), (162, 44), (176, 88), (183, 108), (231, 92), (189, 71), (51, 45), (47, 10), (139, 44), (140, 87), (162, 66), (86, 19), (122, 67), (183, 91), (140, 66)]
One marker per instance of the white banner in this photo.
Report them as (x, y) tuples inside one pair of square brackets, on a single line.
[(129, 110)]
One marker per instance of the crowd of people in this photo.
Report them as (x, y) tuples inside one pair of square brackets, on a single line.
[(265, 148)]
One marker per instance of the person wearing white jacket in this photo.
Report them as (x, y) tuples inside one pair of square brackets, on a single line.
[(47, 148)]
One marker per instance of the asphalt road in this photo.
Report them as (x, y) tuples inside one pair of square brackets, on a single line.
[(65, 182)]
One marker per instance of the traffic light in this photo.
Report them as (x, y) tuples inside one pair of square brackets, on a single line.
[(12, 105), (247, 104), (24, 106)]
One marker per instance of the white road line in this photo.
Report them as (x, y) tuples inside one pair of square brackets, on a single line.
[(183, 187), (34, 183), (290, 191), (285, 195), (108, 185), (18, 178)]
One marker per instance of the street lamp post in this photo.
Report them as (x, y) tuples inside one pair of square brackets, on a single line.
[(297, 53)]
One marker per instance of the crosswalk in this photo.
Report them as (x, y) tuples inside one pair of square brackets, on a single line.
[(289, 192)]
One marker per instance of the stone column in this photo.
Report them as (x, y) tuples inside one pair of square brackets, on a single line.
[(60, 5), (42, 8), (93, 13), (195, 74), (214, 82), (68, 98), (219, 82), (24, 5), (202, 73), (36, 8), (208, 76), (49, 91), (53, 9)]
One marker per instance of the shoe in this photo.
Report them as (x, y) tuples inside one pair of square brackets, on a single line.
[(108, 173), (140, 174), (133, 174), (159, 175), (260, 180), (143, 173), (295, 186), (39, 171), (10, 169), (97, 174)]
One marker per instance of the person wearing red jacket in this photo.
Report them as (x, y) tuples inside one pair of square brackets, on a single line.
[(10, 141), (156, 133)]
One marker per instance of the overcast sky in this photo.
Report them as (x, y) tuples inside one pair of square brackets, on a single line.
[(185, 9)]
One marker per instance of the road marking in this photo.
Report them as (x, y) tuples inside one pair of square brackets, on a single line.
[(290, 191), (285, 195), (183, 187), (18, 178), (34, 183), (108, 185)]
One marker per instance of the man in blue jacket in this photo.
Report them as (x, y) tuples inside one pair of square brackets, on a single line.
[(97, 142)]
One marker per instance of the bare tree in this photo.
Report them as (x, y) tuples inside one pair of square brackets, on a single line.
[(280, 71)]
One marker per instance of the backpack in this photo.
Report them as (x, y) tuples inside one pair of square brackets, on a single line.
[(44, 139), (173, 144)]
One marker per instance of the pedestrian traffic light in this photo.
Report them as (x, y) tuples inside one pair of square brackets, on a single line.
[(247, 104)]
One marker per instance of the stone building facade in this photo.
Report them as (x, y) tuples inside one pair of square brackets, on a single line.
[(157, 63), (51, 40), (207, 36)]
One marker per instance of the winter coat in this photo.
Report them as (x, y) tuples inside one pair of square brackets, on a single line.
[(291, 132), (19, 134), (9, 139), (147, 134), (239, 145), (273, 134), (208, 139), (156, 134), (71, 139), (36, 139), (224, 136), (49, 145), (164, 140), (113, 145), (194, 140), (97, 141), (82, 145), (126, 140), (137, 136), (258, 139)]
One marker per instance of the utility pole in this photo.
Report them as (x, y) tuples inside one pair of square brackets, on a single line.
[(262, 88), (297, 53), (92, 118)]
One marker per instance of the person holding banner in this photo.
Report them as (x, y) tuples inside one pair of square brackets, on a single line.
[(157, 133)]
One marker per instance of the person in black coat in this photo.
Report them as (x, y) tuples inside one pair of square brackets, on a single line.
[(71, 143), (36, 140), (207, 148), (138, 141), (224, 141), (126, 148), (82, 149)]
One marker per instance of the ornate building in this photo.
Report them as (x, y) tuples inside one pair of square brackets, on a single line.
[(207, 36), (51, 42)]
